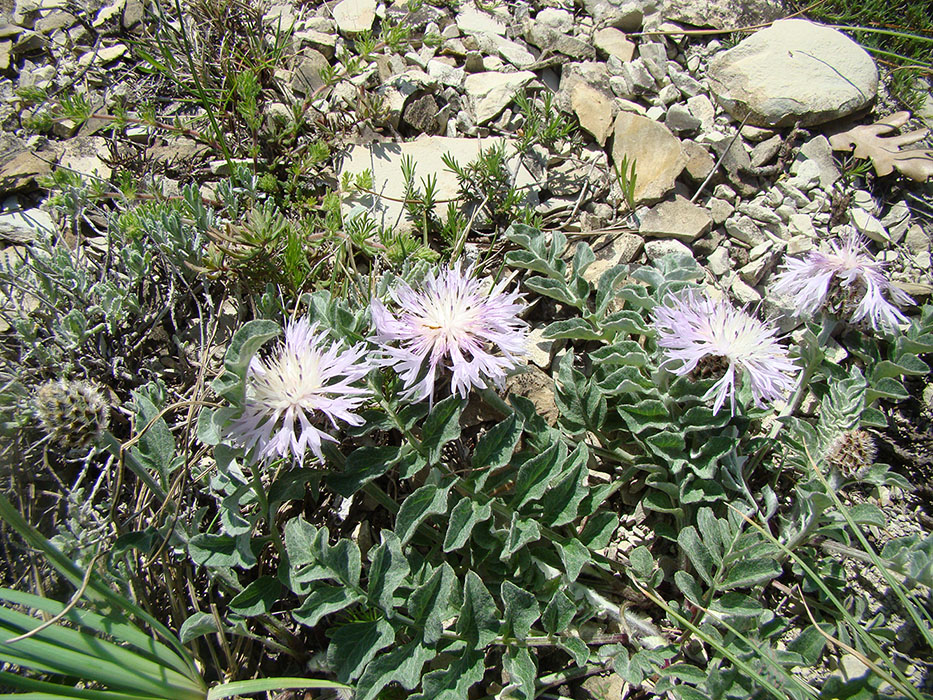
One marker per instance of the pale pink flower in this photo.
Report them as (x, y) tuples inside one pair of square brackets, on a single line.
[(845, 281), (290, 394), (709, 338), (450, 324)]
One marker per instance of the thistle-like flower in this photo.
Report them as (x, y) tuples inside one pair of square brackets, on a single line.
[(72, 413), (291, 392), (452, 324), (847, 282), (713, 339)]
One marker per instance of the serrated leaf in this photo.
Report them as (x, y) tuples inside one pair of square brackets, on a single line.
[(258, 597), (478, 623), (463, 518), (355, 644), (558, 614), (402, 666), (325, 599), (424, 501), (521, 610), (698, 553), (388, 571), (429, 603), (441, 426), (750, 572)]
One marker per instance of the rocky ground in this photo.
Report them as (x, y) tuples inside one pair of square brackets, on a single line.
[(731, 133), (732, 157)]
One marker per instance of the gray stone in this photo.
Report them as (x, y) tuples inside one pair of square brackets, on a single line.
[(539, 348), (306, 78), (6, 49), (594, 111), (759, 213), (718, 261), (745, 294), (547, 25), (384, 161), (657, 154), (721, 14), (626, 15), (22, 225), (324, 42), (514, 53), (720, 210), (819, 152), (637, 75), (897, 221), (490, 92), (743, 229), (702, 108), (916, 240), (473, 21), (677, 218), (793, 71), (764, 152), (668, 95), (620, 249), (868, 225), (133, 13), (573, 47), (736, 163), (655, 250), (687, 84), (612, 42), (355, 16), (593, 73), (654, 56), (699, 162), (679, 120), (801, 225), (754, 271), (421, 114), (445, 74)]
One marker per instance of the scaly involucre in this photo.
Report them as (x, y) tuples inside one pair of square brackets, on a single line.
[(289, 394), (450, 323), (810, 283), (692, 327)]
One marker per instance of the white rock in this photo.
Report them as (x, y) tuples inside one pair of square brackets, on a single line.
[(719, 262), (514, 53), (794, 70), (678, 218), (701, 108), (868, 225), (742, 228), (722, 14), (657, 154), (614, 43), (445, 74), (655, 250), (679, 119), (807, 176), (820, 152), (22, 225), (594, 111), (473, 21), (744, 294), (384, 162), (490, 92), (801, 225), (799, 244), (355, 16)]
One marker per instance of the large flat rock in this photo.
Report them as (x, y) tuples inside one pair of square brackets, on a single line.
[(793, 71), (658, 155), (384, 160)]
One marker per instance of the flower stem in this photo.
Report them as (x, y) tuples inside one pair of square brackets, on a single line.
[(263, 498)]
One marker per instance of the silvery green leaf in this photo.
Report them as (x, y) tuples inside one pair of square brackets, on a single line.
[(573, 329), (455, 681), (324, 599), (429, 603), (197, 625), (750, 572), (478, 622), (427, 500), (699, 554), (355, 644), (464, 516), (221, 550), (495, 446), (388, 571), (521, 610), (574, 555), (535, 475), (402, 665), (362, 466), (441, 426), (558, 614), (258, 597), (522, 670), (576, 647), (521, 531)]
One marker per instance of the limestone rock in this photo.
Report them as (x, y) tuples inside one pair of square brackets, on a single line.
[(548, 24), (794, 70), (658, 155), (655, 250), (473, 21), (594, 110), (677, 218), (355, 16), (384, 161), (20, 170), (626, 15), (612, 42), (489, 92), (721, 14), (306, 78), (21, 225)]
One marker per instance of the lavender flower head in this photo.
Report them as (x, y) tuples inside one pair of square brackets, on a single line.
[(289, 393), (713, 339), (841, 280), (450, 323)]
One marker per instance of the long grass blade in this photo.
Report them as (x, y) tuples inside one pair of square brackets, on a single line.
[(262, 685), (36, 688)]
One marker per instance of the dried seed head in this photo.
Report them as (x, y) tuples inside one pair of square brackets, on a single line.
[(852, 451), (72, 413)]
